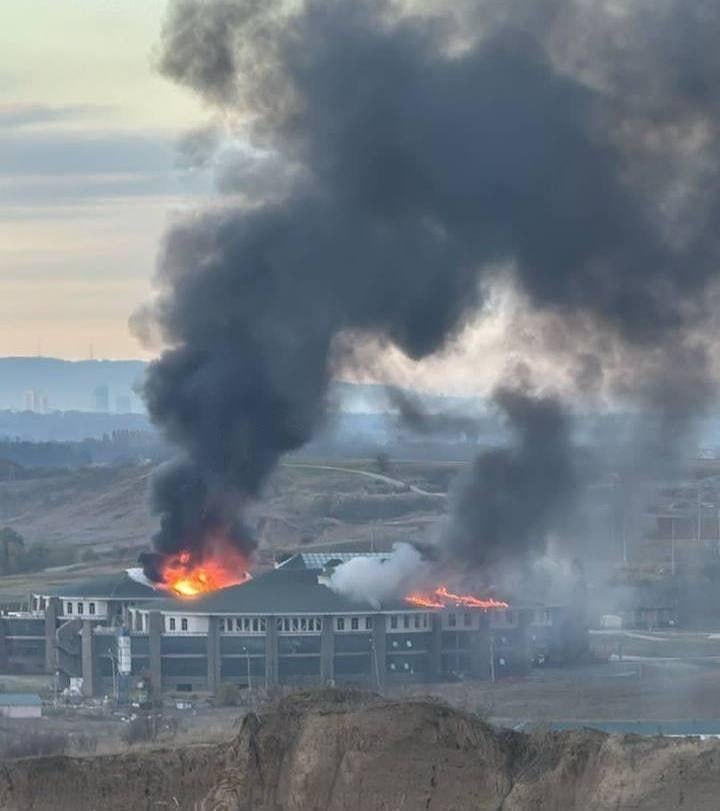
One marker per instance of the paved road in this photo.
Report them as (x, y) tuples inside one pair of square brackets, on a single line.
[(369, 475)]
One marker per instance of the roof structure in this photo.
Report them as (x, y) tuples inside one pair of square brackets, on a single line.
[(280, 591), (118, 586), (320, 560), (20, 700)]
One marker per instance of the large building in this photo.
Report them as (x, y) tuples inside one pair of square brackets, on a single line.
[(285, 626)]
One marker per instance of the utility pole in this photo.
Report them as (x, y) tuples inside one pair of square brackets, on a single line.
[(114, 675), (247, 659), (672, 545), (373, 653)]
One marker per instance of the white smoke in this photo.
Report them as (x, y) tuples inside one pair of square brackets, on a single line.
[(376, 579)]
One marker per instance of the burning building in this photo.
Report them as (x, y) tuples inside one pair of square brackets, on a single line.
[(286, 626)]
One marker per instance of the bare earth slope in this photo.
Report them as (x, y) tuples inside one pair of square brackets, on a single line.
[(340, 751)]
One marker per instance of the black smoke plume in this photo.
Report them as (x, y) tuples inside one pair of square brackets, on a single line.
[(511, 498), (425, 153), (417, 418)]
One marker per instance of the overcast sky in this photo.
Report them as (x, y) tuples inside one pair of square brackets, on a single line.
[(88, 171)]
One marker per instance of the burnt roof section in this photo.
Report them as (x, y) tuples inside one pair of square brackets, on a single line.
[(118, 586), (320, 560), (281, 591)]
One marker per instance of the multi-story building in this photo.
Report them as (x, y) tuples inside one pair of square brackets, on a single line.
[(286, 626)]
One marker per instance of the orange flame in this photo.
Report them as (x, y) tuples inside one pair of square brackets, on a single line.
[(442, 598), (188, 578)]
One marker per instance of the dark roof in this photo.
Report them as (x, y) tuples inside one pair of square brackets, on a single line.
[(118, 586), (20, 700), (280, 591)]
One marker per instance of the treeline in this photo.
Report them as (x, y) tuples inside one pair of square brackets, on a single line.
[(17, 557), (121, 446)]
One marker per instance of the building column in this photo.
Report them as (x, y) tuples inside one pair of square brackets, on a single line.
[(271, 652), (481, 649), (378, 677), (89, 669), (213, 655), (435, 669), (3, 645), (51, 613), (155, 629), (327, 651), (524, 646)]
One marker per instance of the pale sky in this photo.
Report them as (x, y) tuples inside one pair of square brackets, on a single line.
[(90, 179), (88, 171)]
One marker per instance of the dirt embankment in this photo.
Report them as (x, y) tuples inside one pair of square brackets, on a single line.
[(157, 779), (350, 752)]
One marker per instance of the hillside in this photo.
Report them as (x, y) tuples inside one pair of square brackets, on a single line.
[(346, 751), (103, 511)]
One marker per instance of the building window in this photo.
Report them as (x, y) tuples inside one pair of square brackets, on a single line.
[(354, 624), (311, 624), (393, 621), (417, 620), (246, 624), (172, 624), (467, 620), (368, 623), (340, 623), (406, 621), (68, 609), (452, 620), (509, 617), (263, 624), (318, 623), (81, 608), (286, 624), (303, 624), (91, 607), (255, 625), (221, 624), (183, 624)]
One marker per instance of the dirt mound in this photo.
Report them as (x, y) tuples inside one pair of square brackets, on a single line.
[(347, 752), (350, 751)]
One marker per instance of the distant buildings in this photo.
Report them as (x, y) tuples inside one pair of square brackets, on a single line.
[(102, 398), (35, 401)]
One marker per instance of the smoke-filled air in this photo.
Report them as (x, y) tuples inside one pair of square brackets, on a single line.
[(412, 156)]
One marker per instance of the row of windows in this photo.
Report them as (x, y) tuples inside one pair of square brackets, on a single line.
[(353, 623), (452, 620), (248, 625), (407, 621), (80, 608), (258, 625), (288, 625), (172, 624)]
